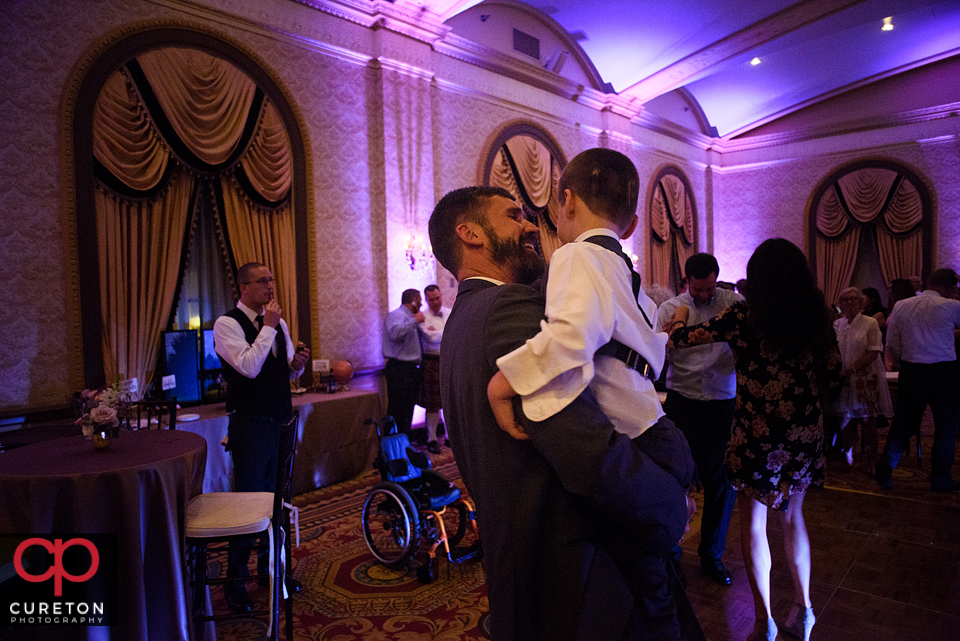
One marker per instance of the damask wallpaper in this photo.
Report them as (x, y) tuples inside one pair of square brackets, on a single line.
[(391, 125)]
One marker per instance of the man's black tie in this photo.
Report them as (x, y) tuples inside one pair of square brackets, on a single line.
[(259, 321)]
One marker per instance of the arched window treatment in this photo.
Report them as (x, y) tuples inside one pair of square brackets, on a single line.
[(168, 124), (526, 168), (877, 196), (671, 224)]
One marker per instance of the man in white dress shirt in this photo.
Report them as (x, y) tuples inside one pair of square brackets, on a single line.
[(259, 359), (435, 317), (921, 341), (701, 397)]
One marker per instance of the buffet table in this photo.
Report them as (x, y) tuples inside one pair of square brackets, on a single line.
[(333, 444)]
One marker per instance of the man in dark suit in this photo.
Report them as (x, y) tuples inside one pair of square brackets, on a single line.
[(555, 510)]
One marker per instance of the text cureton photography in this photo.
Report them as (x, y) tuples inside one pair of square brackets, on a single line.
[(58, 579)]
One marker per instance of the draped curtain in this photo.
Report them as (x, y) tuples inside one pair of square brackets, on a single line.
[(526, 168), (671, 224), (168, 124), (874, 196)]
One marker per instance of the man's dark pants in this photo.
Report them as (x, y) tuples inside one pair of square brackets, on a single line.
[(403, 389), (706, 424), (919, 385), (254, 443)]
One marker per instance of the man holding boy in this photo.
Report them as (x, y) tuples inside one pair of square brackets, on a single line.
[(551, 508), (600, 332)]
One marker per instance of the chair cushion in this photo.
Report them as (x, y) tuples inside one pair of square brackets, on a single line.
[(228, 513), (394, 448), (432, 491)]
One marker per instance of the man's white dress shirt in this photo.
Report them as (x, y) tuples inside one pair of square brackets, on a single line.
[(230, 343), (702, 372), (920, 329), (432, 329)]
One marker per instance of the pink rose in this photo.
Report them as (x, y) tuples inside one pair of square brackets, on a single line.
[(102, 415)]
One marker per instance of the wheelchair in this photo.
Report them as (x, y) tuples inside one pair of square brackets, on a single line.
[(414, 504)]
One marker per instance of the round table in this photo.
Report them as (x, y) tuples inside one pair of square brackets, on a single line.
[(138, 490)]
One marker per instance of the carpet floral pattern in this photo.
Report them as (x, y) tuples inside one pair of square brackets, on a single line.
[(348, 595)]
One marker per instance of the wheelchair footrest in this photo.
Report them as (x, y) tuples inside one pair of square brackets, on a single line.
[(463, 555)]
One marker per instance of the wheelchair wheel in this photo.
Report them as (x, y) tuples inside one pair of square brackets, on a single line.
[(391, 524)]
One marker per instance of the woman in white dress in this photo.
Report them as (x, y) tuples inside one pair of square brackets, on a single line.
[(865, 394)]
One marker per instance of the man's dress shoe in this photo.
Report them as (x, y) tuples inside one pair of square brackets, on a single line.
[(717, 572), (238, 600), (883, 475)]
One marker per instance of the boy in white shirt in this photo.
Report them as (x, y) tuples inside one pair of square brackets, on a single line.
[(599, 332)]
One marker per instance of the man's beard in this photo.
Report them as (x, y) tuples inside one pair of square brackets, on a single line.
[(527, 265)]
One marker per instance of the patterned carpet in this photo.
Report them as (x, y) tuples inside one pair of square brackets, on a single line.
[(348, 595)]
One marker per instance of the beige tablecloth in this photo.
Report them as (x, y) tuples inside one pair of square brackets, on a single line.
[(333, 444)]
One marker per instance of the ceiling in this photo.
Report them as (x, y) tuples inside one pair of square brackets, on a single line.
[(809, 51)]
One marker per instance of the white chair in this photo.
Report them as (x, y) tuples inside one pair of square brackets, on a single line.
[(238, 516)]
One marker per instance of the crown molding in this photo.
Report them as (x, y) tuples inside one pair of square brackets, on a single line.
[(887, 121), (670, 129), (409, 20)]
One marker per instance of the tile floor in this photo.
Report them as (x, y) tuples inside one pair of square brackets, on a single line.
[(885, 568)]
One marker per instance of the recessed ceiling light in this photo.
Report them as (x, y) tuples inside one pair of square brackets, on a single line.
[(755, 62), (887, 24)]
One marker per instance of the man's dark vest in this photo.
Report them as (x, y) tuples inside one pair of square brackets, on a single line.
[(269, 393)]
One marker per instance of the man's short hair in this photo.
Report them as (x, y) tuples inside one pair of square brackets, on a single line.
[(606, 181), (409, 295), (460, 205), (430, 288), (943, 279), (701, 266), (244, 273)]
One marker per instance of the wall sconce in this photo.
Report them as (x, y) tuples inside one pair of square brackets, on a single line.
[(887, 24), (417, 252)]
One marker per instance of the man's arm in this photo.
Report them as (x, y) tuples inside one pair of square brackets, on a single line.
[(590, 458), (665, 312), (399, 326), (230, 343), (893, 342), (296, 358), (432, 333)]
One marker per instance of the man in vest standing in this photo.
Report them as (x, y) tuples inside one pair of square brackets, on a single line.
[(259, 359)]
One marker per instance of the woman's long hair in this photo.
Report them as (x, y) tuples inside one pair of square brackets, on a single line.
[(787, 309), (874, 302)]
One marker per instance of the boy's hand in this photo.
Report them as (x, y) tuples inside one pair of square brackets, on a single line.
[(500, 394)]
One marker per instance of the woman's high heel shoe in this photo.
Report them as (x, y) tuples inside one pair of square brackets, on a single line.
[(799, 626), (764, 631)]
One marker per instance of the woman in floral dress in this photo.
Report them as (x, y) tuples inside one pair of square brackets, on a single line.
[(786, 360)]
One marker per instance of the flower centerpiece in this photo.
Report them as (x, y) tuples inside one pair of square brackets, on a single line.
[(100, 410)]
